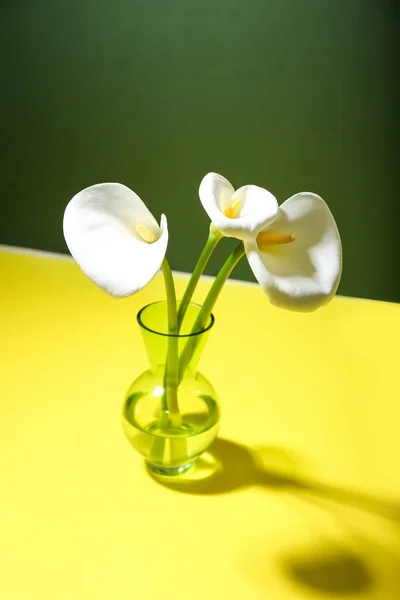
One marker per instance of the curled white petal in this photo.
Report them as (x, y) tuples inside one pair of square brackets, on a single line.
[(304, 274), (100, 231), (256, 206)]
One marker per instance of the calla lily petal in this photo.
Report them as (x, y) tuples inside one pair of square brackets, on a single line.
[(253, 207), (100, 230), (304, 274)]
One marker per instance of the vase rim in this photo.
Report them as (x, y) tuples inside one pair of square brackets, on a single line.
[(177, 335)]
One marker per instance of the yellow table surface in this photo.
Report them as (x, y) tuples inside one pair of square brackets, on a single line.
[(305, 499)]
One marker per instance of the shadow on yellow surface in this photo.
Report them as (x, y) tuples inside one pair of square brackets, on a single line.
[(329, 567), (230, 466)]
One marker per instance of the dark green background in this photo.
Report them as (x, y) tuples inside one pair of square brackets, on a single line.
[(292, 95)]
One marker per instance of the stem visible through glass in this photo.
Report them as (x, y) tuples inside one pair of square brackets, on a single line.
[(171, 375), (175, 365)]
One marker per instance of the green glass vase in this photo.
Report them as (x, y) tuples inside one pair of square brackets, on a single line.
[(171, 412)]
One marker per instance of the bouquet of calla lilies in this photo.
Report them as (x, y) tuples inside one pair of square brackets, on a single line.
[(294, 250)]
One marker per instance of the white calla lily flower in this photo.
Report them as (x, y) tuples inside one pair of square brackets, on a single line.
[(114, 238), (241, 213), (297, 260)]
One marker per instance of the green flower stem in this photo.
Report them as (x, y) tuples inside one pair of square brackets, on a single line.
[(207, 307), (214, 237), (170, 400)]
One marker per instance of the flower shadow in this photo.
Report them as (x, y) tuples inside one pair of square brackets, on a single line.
[(329, 568), (229, 466)]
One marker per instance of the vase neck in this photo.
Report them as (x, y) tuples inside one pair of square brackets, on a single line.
[(153, 321)]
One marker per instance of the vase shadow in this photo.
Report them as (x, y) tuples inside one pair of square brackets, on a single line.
[(229, 466), (329, 568)]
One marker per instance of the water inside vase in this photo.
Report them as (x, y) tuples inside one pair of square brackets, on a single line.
[(171, 444)]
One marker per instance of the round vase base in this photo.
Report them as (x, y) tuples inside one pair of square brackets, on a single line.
[(168, 471)]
